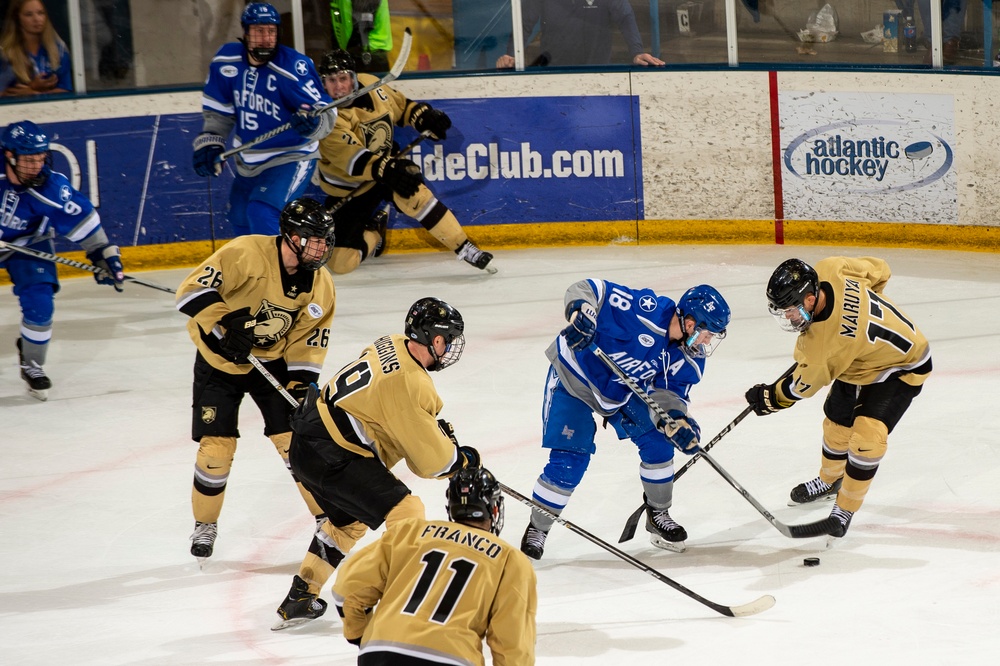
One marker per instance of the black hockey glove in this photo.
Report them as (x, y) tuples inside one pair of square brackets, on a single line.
[(298, 390), (207, 148), (109, 260), (582, 325), (436, 122), (763, 399), (399, 174), (237, 341), (472, 457), (448, 430)]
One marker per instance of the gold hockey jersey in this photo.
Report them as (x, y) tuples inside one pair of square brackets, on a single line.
[(384, 404), (440, 588), (861, 337), (363, 131), (293, 312)]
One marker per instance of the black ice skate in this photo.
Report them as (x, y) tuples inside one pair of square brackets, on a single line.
[(664, 531), (533, 542), (32, 373), (378, 224), (810, 491), (470, 254), (840, 520), (203, 540), (299, 606)]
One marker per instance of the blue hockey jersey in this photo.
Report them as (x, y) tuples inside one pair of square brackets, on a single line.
[(254, 100), (28, 214), (632, 328)]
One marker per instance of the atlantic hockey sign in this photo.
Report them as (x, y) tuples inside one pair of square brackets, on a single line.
[(868, 157)]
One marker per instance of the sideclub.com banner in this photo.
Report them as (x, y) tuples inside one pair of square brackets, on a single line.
[(868, 157), (512, 160)]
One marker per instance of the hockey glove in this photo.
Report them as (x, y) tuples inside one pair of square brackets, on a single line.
[(299, 391), (304, 123), (583, 325), (763, 399), (399, 174), (684, 434), (448, 430), (472, 457), (431, 120), (109, 260), (237, 342), (207, 148)]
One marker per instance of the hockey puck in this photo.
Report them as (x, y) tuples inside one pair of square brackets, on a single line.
[(811, 561)]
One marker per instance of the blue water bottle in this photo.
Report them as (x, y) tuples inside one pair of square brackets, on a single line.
[(909, 35)]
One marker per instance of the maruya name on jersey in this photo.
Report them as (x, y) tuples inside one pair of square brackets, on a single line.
[(477, 540), (482, 161)]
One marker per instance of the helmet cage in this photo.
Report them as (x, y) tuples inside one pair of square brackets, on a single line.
[(307, 219), (260, 13), (22, 139), (431, 317), (335, 62), (473, 495)]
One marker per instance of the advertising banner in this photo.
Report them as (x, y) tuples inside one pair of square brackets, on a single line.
[(511, 160), (868, 157)]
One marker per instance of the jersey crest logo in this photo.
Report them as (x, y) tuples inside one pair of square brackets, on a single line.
[(272, 324), (65, 193), (300, 67), (208, 414), (228, 71), (646, 340), (647, 303), (378, 134), (315, 310)]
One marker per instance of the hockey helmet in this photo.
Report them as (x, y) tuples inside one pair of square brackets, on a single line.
[(27, 138), (260, 13), (706, 307), (474, 494), (430, 317), (332, 64), (787, 289), (305, 219)]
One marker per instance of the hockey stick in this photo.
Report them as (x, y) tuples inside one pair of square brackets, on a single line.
[(633, 520), (56, 259), (790, 531), (397, 69), (255, 362), (752, 608)]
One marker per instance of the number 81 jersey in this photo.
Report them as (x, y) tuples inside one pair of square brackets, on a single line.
[(861, 337)]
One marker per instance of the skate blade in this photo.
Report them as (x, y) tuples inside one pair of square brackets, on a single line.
[(202, 561), (491, 269), (293, 622), (39, 394), (815, 502), (672, 546)]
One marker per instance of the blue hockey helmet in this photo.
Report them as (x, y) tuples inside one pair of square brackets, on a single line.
[(710, 313), (259, 13), (27, 138)]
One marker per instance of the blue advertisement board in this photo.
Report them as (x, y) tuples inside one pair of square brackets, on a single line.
[(510, 160)]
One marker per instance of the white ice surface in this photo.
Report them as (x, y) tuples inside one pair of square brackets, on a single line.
[(95, 484)]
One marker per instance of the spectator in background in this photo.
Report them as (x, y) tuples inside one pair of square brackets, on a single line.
[(578, 32), (952, 22), (34, 53), (361, 27)]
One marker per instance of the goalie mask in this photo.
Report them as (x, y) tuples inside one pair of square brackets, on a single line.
[(337, 70), (308, 229), (787, 289), (261, 44), (474, 494), (431, 317), (26, 152), (706, 307)]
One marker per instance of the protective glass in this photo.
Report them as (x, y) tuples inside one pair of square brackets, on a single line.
[(702, 342), (793, 319)]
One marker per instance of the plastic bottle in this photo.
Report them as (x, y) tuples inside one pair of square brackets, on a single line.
[(909, 35)]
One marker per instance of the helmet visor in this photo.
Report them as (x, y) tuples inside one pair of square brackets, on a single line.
[(702, 342), (793, 319)]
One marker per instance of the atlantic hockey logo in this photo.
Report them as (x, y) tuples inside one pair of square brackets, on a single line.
[(272, 323), (315, 310), (646, 340), (228, 71)]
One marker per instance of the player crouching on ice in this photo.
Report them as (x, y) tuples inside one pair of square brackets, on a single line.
[(360, 170), (663, 346)]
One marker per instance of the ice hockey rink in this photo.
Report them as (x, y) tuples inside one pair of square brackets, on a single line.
[(95, 484)]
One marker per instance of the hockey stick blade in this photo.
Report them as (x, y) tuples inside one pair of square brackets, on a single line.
[(756, 606), (397, 69), (56, 259)]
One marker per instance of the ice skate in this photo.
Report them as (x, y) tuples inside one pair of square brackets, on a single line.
[(840, 520), (203, 540), (299, 606), (533, 542), (378, 224), (32, 373), (470, 254), (664, 531), (814, 490)]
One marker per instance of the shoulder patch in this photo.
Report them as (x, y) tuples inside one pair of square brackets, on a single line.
[(229, 71), (646, 340), (65, 193), (647, 303), (301, 68), (315, 310)]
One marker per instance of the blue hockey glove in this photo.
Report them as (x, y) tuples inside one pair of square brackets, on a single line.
[(237, 341), (207, 148), (687, 433), (304, 123), (431, 120), (582, 325), (109, 260)]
